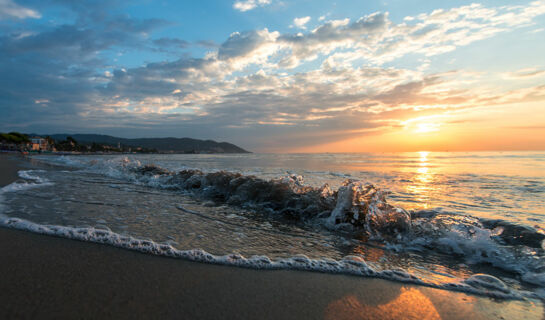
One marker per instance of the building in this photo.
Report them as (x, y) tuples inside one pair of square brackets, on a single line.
[(39, 144)]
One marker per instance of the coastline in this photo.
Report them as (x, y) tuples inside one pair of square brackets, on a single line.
[(44, 276)]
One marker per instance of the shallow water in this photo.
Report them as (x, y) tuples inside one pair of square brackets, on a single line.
[(450, 196)]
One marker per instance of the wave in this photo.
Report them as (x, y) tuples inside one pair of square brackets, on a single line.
[(355, 205), (30, 180)]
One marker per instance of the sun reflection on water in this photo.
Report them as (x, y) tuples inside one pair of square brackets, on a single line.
[(423, 181)]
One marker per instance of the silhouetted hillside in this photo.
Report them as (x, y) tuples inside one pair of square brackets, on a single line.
[(175, 145)]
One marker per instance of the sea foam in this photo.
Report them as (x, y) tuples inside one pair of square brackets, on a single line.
[(30, 181), (350, 265)]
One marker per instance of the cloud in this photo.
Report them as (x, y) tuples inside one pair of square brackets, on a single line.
[(167, 44), (240, 44), (77, 43), (207, 44), (171, 42), (245, 48), (246, 5), (336, 33), (10, 10), (524, 73), (248, 89), (526, 127), (54, 71), (301, 22), (378, 40)]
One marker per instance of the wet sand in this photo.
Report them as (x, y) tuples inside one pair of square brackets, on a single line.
[(49, 277), (9, 164)]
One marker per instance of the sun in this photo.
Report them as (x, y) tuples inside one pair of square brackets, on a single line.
[(426, 127)]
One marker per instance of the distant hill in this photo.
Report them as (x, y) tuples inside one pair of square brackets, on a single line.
[(175, 145)]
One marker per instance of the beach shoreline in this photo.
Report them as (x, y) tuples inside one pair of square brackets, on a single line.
[(43, 276)]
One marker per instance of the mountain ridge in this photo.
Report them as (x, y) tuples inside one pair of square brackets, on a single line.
[(164, 145)]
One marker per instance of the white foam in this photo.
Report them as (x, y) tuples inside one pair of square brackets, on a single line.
[(68, 160), (477, 247), (21, 186), (350, 265), (28, 175)]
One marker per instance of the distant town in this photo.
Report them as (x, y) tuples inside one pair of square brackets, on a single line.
[(16, 142), (19, 142)]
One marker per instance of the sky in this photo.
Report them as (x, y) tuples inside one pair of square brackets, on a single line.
[(279, 75)]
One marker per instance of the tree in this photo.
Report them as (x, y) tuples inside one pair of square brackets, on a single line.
[(50, 140), (14, 137), (72, 141)]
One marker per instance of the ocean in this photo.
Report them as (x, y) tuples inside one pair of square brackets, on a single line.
[(472, 222)]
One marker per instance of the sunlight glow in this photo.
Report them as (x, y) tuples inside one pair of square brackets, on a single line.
[(423, 156), (408, 304), (426, 127)]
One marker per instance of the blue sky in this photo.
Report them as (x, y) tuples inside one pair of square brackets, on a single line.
[(276, 75)]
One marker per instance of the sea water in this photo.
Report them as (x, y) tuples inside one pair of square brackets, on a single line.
[(461, 221)]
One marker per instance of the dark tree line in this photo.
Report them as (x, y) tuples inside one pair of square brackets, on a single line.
[(14, 137), (70, 144)]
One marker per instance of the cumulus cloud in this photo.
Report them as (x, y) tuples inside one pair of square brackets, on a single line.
[(376, 38), (9, 9), (246, 5), (240, 44), (301, 22)]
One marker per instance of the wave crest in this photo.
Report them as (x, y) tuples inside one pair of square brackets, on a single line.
[(355, 203)]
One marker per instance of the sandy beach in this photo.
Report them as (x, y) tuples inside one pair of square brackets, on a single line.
[(8, 168), (48, 277)]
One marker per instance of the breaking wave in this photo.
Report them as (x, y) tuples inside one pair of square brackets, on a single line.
[(30, 180), (354, 206)]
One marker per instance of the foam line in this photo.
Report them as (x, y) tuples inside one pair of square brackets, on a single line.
[(350, 265)]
